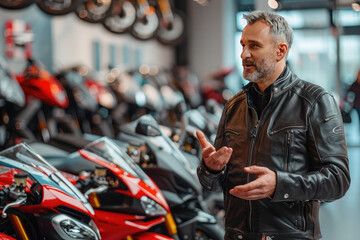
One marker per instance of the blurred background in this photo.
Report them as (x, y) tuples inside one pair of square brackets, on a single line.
[(198, 42)]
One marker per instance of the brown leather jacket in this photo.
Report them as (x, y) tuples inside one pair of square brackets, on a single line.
[(300, 136)]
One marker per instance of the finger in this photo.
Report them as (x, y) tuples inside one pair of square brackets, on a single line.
[(253, 195), (207, 151), (202, 139), (247, 187), (223, 153), (255, 191), (255, 170)]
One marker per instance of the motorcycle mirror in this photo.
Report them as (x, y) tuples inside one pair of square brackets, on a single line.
[(147, 128)]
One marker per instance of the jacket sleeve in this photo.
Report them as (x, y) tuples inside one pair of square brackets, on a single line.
[(210, 180), (328, 178)]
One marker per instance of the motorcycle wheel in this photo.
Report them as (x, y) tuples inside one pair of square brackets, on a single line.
[(56, 7), (122, 18), (206, 231), (93, 11), (145, 27), (15, 4), (173, 33)]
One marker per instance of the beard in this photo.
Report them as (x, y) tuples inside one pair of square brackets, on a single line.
[(262, 70)]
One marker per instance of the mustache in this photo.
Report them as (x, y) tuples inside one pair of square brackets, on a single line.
[(248, 62)]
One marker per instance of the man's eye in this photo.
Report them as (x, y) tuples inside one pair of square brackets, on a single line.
[(253, 45)]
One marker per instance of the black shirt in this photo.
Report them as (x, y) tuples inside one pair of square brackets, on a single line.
[(260, 99)]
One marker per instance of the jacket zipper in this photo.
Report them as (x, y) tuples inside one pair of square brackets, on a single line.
[(281, 129), (253, 135), (287, 150)]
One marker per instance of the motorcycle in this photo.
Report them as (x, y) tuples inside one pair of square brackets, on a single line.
[(46, 99), (175, 175), (12, 98), (56, 7), (93, 11), (38, 202), (122, 195), (90, 102)]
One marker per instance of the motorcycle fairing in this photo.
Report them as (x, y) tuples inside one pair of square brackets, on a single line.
[(137, 181), (6, 237), (42, 85), (49, 190), (109, 222)]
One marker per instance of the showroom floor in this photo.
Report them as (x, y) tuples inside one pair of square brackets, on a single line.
[(340, 220)]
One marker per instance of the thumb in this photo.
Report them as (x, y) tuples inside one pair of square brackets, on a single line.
[(202, 139)]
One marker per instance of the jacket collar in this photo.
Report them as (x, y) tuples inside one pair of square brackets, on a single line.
[(286, 80)]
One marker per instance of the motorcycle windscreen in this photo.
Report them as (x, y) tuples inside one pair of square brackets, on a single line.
[(112, 153), (23, 157)]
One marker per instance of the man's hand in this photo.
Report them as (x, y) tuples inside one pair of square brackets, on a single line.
[(214, 160), (262, 187)]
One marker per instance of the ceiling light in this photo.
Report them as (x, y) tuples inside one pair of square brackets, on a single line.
[(273, 4), (355, 6)]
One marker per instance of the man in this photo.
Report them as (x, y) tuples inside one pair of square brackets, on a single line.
[(280, 147)]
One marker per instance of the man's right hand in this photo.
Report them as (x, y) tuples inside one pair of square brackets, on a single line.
[(214, 160)]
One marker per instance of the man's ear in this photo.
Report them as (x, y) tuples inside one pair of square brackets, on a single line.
[(281, 51)]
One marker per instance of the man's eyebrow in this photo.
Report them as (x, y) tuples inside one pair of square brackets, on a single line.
[(251, 41), (254, 41)]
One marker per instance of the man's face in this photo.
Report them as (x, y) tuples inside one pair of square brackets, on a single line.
[(259, 52)]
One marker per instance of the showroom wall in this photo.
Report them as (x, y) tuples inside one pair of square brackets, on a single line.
[(211, 39), (62, 41), (41, 26), (72, 35)]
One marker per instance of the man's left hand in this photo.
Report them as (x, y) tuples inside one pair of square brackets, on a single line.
[(262, 187)]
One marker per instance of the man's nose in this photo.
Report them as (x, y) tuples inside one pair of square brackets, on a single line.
[(245, 53)]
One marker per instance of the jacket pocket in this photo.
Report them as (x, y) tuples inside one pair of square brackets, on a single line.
[(299, 213), (235, 138), (300, 221)]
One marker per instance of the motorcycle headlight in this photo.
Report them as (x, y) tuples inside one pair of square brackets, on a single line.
[(151, 207), (70, 228)]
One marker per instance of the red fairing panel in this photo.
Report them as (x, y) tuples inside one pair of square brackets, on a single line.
[(109, 224), (151, 236), (5, 237)]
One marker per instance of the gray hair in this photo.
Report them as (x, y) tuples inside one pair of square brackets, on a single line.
[(279, 27)]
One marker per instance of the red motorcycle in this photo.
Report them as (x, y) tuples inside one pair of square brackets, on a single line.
[(38, 202), (122, 195), (46, 100)]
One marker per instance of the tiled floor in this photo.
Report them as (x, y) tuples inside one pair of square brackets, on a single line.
[(340, 220)]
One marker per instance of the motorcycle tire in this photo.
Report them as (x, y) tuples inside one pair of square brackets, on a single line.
[(145, 27), (122, 18), (173, 33), (94, 12), (209, 231), (15, 4), (56, 7)]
